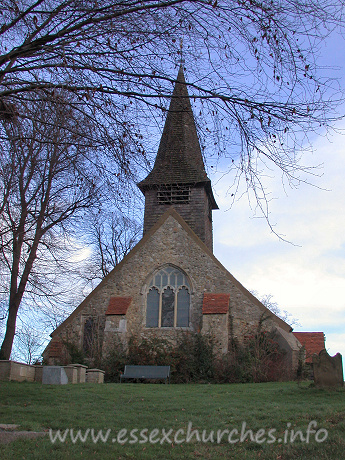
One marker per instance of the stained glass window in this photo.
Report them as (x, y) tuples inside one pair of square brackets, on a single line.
[(168, 306), (152, 312), (182, 319), (168, 299)]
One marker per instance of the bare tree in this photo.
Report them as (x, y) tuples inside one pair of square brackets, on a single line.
[(273, 306), (3, 315), (29, 344), (82, 85), (111, 236), (51, 172), (252, 67)]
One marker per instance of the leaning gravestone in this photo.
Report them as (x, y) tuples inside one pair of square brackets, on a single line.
[(54, 375), (328, 370)]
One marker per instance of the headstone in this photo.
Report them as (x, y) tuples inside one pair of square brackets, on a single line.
[(95, 376), (328, 370), (54, 375)]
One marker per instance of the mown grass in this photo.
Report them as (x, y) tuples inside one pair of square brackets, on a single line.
[(207, 407)]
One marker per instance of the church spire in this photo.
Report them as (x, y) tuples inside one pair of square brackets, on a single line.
[(178, 174), (179, 158)]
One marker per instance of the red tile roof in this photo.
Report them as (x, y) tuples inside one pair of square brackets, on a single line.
[(313, 342), (118, 305), (214, 304)]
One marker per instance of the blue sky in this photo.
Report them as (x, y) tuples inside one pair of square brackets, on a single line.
[(307, 277)]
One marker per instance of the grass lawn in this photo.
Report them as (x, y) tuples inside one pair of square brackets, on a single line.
[(138, 409)]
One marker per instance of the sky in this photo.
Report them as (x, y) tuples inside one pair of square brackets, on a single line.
[(305, 277)]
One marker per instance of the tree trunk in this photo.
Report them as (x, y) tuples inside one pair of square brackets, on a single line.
[(7, 344)]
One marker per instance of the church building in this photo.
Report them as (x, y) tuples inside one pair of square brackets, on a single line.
[(171, 283)]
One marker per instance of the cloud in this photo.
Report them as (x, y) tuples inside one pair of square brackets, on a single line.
[(332, 343), (306, 278)]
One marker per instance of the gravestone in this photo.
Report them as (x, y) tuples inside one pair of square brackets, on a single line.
[(54, 375), (13, 370), (328, 370)]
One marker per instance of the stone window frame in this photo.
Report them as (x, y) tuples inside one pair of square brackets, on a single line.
[(176, 288)]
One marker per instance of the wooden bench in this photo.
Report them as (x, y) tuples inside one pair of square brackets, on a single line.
[(146, 372)]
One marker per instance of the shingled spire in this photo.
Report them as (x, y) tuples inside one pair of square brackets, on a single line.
[(178, 177), (179, 158)]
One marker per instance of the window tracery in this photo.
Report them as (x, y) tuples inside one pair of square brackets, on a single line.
[(168, 299)]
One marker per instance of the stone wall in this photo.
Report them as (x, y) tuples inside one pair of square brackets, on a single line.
[(13, 370), (217, 327), (169, 242), (196, 213), (293, 349)]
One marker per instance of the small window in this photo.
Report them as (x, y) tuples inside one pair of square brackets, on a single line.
[(168, 299), (174, 194), (89, 329)]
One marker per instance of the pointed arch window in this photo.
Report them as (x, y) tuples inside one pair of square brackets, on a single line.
[(168, 299)]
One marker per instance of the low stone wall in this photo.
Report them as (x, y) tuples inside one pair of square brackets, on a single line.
[(95, 376), (76, 373), (12, 370), (80, 370)]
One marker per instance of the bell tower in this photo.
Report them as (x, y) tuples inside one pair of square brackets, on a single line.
[(178, 177)]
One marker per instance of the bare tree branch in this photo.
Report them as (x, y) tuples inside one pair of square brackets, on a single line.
[(83, 86)]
